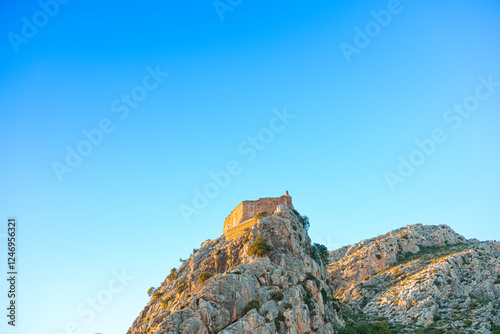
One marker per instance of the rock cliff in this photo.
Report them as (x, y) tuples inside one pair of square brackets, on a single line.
[(221, 288), (416, 279), (419, 278)]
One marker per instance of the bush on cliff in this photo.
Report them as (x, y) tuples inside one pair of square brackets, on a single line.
[(365, 328), (204, 276), (304, 220), (261, 215), (320, 252), (253, 304), (259, 247)]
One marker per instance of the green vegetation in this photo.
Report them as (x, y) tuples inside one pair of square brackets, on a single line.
[(308, 299), (320, 252), (276, 296), (304, 220), (172, 275), (279, 318), (254, 304), (204, 276), (287, 306), (164, 302), (259, 247), (378, 256), (277, 324), (309, 276), (150, 291), (324, 294), (157, 295), (261, 215), (367, 328), (181, 287), (246, 235), (432, 252)]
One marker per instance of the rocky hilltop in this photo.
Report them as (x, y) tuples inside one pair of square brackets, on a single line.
[(425, 279), (271, 279), (265, 281)]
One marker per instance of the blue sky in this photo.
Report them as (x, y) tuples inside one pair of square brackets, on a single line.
[(85, 234)]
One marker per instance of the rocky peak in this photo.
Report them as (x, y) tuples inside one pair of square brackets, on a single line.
[(269, 279), (224, 287)]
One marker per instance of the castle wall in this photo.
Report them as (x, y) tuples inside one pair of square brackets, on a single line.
[(238, 230), (234, 218), (248, 209)]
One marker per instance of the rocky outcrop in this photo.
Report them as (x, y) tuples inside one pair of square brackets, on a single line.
[(286, 287), (416, 279), (420, 277)]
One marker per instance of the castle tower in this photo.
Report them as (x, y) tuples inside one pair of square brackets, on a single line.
[(243, 215)]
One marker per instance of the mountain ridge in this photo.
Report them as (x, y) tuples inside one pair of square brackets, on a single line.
[(271, 279)]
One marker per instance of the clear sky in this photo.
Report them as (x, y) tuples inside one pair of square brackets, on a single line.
[(325, 100)]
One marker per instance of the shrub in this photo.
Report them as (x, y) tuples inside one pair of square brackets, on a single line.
[(259, 247), (437, 283), (304, 220), (246, 235), (324, 295), (277, 324), (181, 287), (378, 256), (287, 306), (308, 299), (276, 296), (157, 295), (309, 276), (277, 321), (365, 328), (468, 323), (172, 275), (261, 215), (254, 304), (204, 276), (320, 252), (164, 302), (150, 291)]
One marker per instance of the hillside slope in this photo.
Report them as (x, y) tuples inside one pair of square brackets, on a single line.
[(420, 278), (283, 291), (416, 279)]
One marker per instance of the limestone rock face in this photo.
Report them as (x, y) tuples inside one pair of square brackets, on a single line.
[(416, 279), (421, 276), (288, 286)]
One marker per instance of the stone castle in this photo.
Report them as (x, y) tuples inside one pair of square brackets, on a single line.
[(243, 215)]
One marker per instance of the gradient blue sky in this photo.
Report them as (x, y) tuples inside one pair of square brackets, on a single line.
[(119, 209)]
